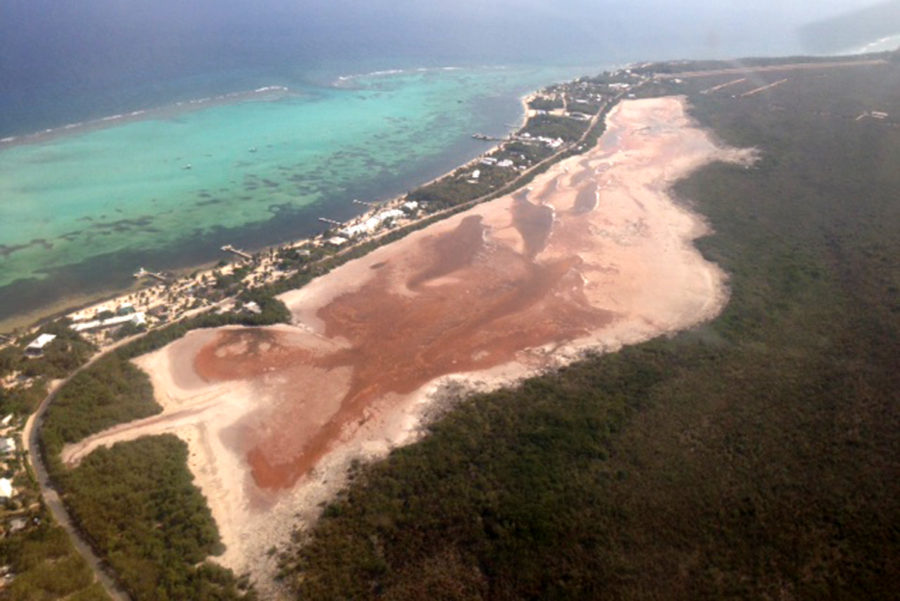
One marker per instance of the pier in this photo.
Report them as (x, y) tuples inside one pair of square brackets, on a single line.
[(486, 138), (373, 205), (144, 273), (331, 222), (230, 249)]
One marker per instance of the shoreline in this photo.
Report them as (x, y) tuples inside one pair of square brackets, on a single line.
[(88, 301)]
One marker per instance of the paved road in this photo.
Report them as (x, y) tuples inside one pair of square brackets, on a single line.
[(31, 443)]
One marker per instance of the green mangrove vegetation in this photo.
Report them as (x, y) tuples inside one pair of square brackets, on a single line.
[(138, 506)]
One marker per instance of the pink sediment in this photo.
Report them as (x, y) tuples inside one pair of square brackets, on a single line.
[(593, 255)]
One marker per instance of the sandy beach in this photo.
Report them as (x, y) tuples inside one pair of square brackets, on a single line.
[(594, 254)]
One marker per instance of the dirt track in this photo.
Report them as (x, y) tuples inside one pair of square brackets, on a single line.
[(773, 68)]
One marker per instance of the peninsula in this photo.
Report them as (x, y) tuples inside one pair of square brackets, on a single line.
[(314, 406)]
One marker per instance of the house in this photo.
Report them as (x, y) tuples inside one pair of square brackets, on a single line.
[(371, 224), (37, 346), (17, 524), (7, 445), (391, 214), (6, 488), (551, 142)]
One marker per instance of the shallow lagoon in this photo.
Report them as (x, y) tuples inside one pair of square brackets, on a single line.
[(81, 212)]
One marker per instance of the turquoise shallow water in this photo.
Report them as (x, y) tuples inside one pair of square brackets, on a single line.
[(81, 212)]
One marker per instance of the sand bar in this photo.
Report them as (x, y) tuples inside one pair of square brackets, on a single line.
[(594, 254)]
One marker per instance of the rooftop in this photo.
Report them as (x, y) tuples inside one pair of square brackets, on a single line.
[(41, 341)]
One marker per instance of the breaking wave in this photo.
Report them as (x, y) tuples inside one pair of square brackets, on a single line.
[(118, 118), (348, 80)]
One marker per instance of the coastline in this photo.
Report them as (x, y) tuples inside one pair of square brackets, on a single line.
[(112, 296)]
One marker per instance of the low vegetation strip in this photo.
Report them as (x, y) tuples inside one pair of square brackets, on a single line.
[(755, 457)]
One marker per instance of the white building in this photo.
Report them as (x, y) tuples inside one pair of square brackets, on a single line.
[(7, 445), (371, 224), (137, 319), (6, 489), (36, 347), (392, 214), (551, 142)]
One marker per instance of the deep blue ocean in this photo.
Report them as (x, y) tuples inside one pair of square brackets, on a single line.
[(70, 61)]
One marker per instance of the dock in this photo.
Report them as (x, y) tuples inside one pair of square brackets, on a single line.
[(373, 205), (230, 249), (486, 138), (331, 222), (144, 273)]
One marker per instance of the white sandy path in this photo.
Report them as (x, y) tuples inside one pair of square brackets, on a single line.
[(645, 269)]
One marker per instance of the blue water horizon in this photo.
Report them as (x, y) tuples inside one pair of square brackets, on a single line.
[(68, 62)]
